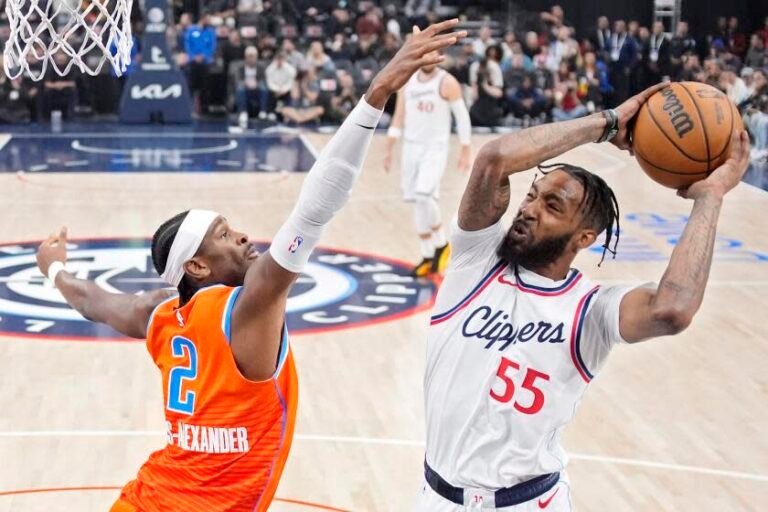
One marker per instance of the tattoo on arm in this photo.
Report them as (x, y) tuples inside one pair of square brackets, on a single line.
[(685, 280)]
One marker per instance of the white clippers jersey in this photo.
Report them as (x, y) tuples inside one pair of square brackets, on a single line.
[(509, 356), (427, 114)]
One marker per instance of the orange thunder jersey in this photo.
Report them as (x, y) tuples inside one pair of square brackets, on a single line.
[(228, 437)]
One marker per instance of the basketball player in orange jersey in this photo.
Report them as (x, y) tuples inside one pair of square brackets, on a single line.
[(518, 335), (220, 342), (423, 118)]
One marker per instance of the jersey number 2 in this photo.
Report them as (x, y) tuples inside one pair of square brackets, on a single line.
[(177, 401), (529, 382)]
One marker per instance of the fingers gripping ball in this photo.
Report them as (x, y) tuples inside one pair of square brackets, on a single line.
[(683, 132)]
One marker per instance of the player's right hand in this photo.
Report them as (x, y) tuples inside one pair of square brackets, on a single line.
[(54, 248), (421, 49), (627, 112), (723, 179)]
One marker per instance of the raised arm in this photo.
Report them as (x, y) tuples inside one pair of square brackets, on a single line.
[(127, 314), (646, 313), (258, 315), (450, 90), (486, 197)]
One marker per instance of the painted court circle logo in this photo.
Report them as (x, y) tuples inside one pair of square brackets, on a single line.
[(339, 289)]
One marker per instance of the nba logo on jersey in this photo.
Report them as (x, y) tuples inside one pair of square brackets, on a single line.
[(295, 245)]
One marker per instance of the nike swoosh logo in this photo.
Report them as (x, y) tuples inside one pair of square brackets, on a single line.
[(366, 127), (545, 504)]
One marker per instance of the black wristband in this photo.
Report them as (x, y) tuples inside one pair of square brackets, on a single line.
[(611, 125)]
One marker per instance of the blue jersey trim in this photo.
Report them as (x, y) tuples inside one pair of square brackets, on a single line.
[(582, 316), (226, 321), (574, 274), (470, 295)]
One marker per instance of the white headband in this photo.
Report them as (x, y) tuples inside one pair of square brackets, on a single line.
[(186, 243)]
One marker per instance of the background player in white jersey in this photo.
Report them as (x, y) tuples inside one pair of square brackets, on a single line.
[(423, 119), (518, 334)]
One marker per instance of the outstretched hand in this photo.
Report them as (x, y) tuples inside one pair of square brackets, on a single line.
[(627, 112), (54, 248), (727, 176), (421, 49)]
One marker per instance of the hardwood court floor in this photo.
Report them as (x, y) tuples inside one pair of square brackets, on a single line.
[(673, 424)]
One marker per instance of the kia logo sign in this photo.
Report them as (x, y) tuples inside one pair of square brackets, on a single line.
[(155, 92)]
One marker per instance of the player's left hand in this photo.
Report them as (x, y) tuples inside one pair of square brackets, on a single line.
[(465, 157), (421, 49), (723, 179), (627, 112), (54, 248)]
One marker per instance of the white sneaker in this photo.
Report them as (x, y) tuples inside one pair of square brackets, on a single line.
[(271, 116), (262, 115), (242, 119)]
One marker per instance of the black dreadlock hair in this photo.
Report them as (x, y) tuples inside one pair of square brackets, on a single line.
[(599, 204), (162, 241)]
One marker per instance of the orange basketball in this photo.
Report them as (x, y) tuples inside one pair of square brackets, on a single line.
[(683, 133)]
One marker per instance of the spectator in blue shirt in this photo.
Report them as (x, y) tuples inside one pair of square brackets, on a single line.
[(200, 46)]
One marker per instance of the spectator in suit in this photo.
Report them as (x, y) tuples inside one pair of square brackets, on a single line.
[(658, 55), (623, 58), (601, 38), (680, 45), (200, 46)]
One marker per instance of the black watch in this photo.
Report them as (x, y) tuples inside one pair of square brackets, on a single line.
[(611, 126)]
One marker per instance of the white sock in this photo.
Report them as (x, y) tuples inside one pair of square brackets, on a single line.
[(438, 237), (427, 248)]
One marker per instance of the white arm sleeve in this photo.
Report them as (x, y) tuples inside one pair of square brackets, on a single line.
[(463, 124), (325, 189)]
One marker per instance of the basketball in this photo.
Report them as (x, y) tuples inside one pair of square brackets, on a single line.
[(683, 133)]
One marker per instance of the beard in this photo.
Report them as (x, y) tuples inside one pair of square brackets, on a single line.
[(518, 247)]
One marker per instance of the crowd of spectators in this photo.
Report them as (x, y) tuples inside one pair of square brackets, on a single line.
[(296, 63)]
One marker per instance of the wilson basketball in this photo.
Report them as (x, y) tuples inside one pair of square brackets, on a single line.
[(683, 133)]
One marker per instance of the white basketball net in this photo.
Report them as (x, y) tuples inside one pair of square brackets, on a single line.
[(86, 34)]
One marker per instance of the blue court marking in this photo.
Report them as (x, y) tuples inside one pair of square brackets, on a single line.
[(111, 147)]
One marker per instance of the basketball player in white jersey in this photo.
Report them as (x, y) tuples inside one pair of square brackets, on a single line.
[(423, 119), (518, 335)]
